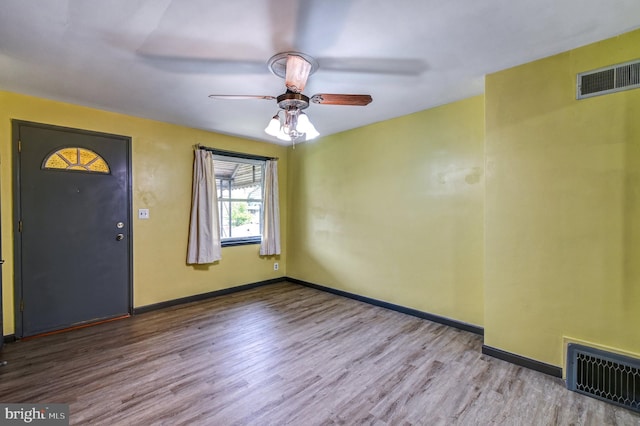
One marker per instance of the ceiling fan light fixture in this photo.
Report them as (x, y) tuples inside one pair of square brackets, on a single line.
[(273, 128), (294, 126), (305, 126), (290, 125), (283, 136)]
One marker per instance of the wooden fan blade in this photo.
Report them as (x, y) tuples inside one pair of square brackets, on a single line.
[(297, 73), (242, 97), (335, 99)]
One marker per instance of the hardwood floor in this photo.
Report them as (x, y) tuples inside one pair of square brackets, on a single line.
[(286, 355)]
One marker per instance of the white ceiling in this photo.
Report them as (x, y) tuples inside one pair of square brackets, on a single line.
[(161, 59)]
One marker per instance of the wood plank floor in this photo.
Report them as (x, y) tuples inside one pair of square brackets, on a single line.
[(286, 355)]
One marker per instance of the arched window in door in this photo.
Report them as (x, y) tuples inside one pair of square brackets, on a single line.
[(75, 158)]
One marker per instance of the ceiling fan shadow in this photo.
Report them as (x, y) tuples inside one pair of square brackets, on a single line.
[(222, 66), (194, 57), (389, 66), (307, 25), (312, 26), (195, 65)]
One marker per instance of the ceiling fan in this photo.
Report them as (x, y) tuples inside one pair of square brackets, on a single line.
[(295, 68)]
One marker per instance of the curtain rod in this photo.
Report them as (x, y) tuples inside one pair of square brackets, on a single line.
[(235, 154)]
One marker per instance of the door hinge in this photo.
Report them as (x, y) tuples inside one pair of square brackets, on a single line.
[(19, 145), (19, 226), (22, 305)]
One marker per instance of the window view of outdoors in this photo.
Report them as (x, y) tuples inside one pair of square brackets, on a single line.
[(239, 186)]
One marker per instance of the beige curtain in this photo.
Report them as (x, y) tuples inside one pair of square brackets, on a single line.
[(204, 229), (270, 243)]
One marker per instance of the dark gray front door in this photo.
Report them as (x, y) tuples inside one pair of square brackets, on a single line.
[(74, 251)]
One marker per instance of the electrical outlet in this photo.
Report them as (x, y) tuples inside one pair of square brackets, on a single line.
[(276, 266), (143, 213)]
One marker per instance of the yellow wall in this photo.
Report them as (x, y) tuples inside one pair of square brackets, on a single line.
[(562, 207), (393, 211), (525, 222), (162, 171)]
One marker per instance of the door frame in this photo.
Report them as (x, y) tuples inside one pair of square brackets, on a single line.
[(17, 211)]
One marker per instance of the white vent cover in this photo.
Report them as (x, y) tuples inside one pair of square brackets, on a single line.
[(610, 79)]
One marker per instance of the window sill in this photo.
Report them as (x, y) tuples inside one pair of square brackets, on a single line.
[(240, 242)]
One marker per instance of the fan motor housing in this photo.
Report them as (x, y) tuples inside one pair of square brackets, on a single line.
[(292, 100)]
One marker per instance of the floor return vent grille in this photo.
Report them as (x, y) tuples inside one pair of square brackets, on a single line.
[(604, 375)]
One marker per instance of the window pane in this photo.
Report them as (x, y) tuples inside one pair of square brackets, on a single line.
[(238, 173), (75, 158), (239, 188), (240, 219)]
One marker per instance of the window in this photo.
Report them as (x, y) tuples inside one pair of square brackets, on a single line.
[(75, 158), (240, 198)]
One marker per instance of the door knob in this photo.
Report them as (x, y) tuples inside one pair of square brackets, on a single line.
[(119, 237)]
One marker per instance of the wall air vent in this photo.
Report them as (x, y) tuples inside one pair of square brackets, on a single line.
[(604, 375), (609, 80)]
